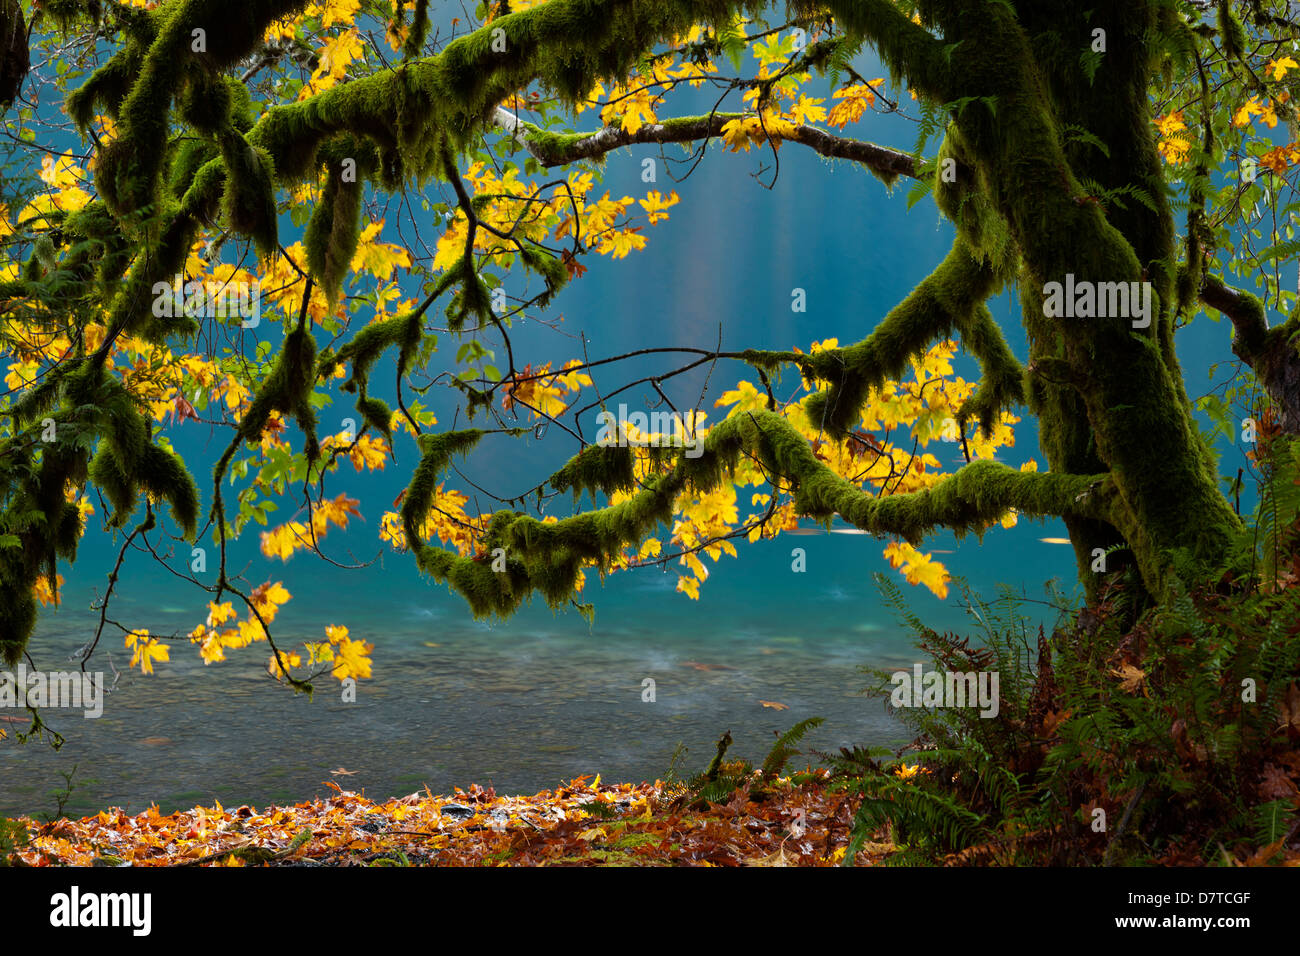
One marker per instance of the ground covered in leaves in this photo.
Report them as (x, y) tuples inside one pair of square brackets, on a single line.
[(586, 823)]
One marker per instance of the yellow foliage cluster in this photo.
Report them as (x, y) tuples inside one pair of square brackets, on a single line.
[(350, 657), (44, 593), (1175, 144), (145, 649), (214, 639), (446, 521), (777, 115), (517, 206), (541, 394), (924, 407), (282, 541)]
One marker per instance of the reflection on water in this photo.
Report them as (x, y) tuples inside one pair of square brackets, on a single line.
[(519, 706)]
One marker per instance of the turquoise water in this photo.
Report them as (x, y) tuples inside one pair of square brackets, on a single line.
[(520, 705), (521, 714)]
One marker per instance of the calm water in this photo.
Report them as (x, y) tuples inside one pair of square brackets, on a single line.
[(520, 708)]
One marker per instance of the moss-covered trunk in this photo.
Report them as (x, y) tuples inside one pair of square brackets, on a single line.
[(1104, 377)]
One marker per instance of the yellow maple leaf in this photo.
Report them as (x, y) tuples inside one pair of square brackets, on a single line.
[(1279, 67), (213, 648), (44, 593), (1251, 108), (745, 397), (1132, 679), (807, 110), (918, 568), (654, 204), (318, 652), (1278, 160), (336, 511), (1170, 123), (290, 659), (854, 101), (736, 133), (220, 613), (379, 258), (282, 541), (620, 242), (370, 452), (146, 650), (451, 245), (351, 658)]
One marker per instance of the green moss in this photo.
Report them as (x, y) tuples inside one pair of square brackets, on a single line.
[(249, 199), (949, 299), (377, 414), (603, 468), (189, 156), (163, 474), (546, 557), (114, 480), (206, 103), (333, 231), (287, 389), (437, 451), (405, 331)]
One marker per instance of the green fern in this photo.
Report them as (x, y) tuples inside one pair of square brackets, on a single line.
[(784, 748)]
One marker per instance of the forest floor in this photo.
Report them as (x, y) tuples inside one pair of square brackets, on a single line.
[(586, 823)]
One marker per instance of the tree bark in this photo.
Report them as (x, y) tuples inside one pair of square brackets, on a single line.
[(14, 61)]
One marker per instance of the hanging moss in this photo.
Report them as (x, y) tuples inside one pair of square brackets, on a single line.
[(105, 89), (405, 331), (418, 32), (472, 298), (205, 35), (437, 451), (163, 474), (550, 267), (377, 414), (287, 389), (114, 480), (1231, 32), (91, 409), (189, 156), (249, 200), (949, 299), (603, 468), (546, 557), (333, 231), (206, 102), (18, 612)]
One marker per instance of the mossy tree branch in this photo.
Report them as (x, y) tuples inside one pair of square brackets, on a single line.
[(552, 149), (951, 298), (547, 558), (1274, 353)]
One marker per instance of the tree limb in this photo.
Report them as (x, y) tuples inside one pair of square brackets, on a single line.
[(552, 150), (548, 557), (1272, 353)]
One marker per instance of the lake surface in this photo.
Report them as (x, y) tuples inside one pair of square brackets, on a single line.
[(520, 708)]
